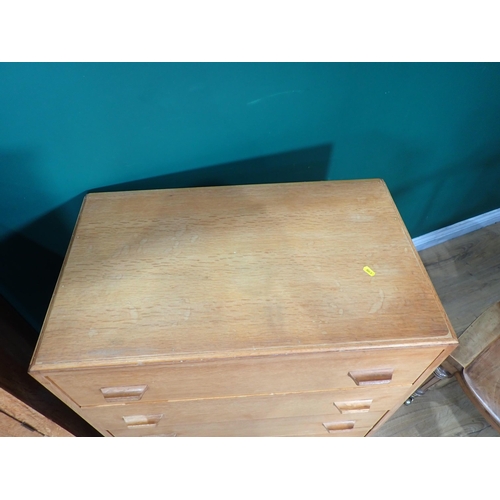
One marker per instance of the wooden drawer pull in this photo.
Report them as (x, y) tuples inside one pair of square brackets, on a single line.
[(371, 377), (134, 421), (129, 393), (339, 426), (353, 406)]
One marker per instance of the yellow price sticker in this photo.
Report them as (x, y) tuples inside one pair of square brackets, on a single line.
[(369, 271)]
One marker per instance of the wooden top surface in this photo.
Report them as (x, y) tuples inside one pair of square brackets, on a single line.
[(201, 273)]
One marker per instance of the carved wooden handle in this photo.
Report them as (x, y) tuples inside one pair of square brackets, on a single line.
[(134, 421), (371, 377), (339, 426), (127, 393), (353, 406)]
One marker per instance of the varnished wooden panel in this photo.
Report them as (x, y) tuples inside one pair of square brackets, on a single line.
[(300, 426), (236, 270), (247, 376), (216, 296), (352, 402)]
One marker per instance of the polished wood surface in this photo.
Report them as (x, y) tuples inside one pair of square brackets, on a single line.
[(466, 274), (249, 376), (337, 404), (238, 271), (241, 292), (316, 425)]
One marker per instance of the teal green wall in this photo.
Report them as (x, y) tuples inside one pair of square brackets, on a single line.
[(431, 131)]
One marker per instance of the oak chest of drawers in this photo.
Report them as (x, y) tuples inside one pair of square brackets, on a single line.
[(297, 309)]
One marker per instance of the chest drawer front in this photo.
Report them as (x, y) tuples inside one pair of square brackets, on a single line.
[(342, 403), (315, 425), (245, 376)]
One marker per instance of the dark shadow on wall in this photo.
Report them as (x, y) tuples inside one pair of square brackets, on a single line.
[(28, 274), (32, 258), (28, 270), (309, 164)]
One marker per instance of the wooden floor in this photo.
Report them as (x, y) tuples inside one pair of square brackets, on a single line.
[(466, 274)]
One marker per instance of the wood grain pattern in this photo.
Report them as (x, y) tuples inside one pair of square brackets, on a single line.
[(237, 296), (293, 426), (237, 270), (248, 376), (251, 407)]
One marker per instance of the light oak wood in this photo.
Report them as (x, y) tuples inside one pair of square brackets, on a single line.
[(123, 394), (317, 425), (239, 291), (247, 376), (333, 403), (235, 270)]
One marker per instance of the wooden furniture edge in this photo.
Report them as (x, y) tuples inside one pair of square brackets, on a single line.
[(58, 282), (425, 375)]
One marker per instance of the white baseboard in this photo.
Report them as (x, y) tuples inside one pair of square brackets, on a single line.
[(456, 230)]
